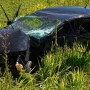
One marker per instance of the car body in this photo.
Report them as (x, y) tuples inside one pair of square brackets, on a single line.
[(32, 35)]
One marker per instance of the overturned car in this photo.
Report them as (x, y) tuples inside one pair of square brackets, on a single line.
[(29, 37)]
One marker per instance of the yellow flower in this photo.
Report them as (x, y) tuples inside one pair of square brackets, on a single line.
[(19, 66)]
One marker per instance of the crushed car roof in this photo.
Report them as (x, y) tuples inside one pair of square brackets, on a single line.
[(64, 12)]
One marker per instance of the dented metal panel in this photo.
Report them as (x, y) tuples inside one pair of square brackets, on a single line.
[(14, 39)]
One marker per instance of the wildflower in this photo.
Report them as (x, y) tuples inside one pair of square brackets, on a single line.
[(19, 66)]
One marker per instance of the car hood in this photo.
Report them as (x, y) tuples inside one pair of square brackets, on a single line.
[(14, 39)]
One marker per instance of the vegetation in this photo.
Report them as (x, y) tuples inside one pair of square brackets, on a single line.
[(61, 69)]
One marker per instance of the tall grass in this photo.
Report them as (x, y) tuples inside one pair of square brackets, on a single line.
[(61, 69), (57, 73)]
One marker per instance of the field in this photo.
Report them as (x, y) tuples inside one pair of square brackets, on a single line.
[(61, 69)]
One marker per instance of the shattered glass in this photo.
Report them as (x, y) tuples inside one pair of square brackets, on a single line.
[(35, 26)]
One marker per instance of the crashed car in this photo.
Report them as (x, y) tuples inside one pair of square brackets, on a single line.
[(30, 36)]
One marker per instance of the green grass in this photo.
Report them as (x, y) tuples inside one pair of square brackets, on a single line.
[(62, 69)]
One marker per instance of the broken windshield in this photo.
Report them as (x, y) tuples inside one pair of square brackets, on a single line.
[(35, 26)]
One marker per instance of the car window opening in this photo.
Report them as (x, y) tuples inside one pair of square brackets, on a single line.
[(75, 27)]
